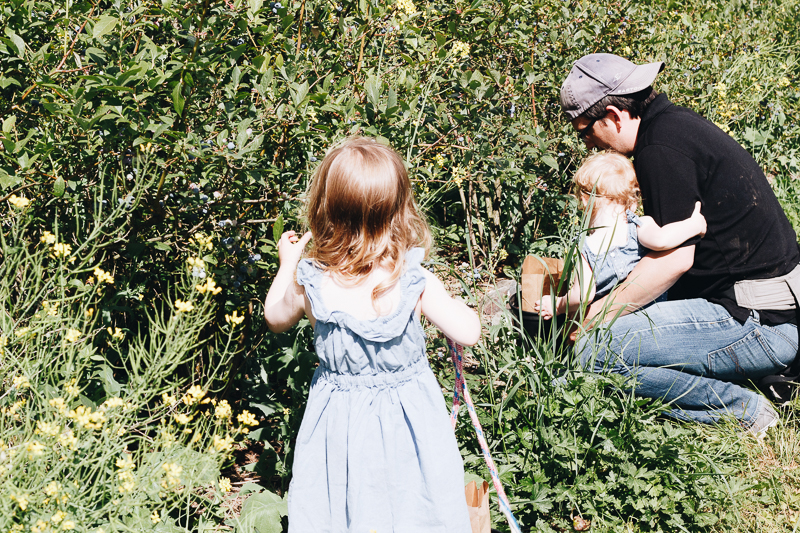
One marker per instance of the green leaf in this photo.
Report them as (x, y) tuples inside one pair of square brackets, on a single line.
[(236, 76), (277, 229), (17, 41), (262, 513), (373, 89), (59, 186), (550, 161), (104, 25), (8, 180), (177, 98), (299, 93), (8, 123)]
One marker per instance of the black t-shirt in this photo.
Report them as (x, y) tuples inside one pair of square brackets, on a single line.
[(680, 158)]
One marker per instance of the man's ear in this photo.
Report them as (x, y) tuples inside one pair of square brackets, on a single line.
[(618, 116)]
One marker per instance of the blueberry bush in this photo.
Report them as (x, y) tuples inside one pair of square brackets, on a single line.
[(165, 145)]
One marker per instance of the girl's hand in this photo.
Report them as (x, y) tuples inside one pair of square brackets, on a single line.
[(544, 307), (699, 220), (290, 248)]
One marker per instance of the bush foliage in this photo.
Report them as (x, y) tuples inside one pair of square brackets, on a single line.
[(168, 143)]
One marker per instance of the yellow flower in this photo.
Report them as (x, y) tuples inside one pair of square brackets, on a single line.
[(168, 399), (223, 410), (461, 49), (58, 517), (39, 527), (21, 332), (439, 159), (47, 428), (247, 418), (71, 388), (221, 444), (181, 418), (202, 241), (48, 238), (21, 500), (51, 308), (20, 202), (225, 484), (34, 449), (234, 318), (209, 286), (58, 403), (183, 307), (13, 408), (52, 488), (459, 173), (126, 466), (196, 262), (173, 472), (68, 440), (61, 250), (21, 382), (116, 333), (68, 525), (113, 402), (87, 418), (155, 518), (406, 6), (72, 335), (193, 395), (103, 276)]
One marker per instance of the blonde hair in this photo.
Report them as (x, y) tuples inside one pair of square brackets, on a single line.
[(362, 214), (608, 175)]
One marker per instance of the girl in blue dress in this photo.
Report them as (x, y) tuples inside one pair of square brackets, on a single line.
[(375, 451), (618, 238)]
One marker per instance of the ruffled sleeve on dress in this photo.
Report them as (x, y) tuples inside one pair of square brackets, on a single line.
[(380, 329), (633, 217)]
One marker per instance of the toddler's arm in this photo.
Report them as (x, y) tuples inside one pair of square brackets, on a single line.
[(455, 319), (285, 302), (658, 239), (582, 284)]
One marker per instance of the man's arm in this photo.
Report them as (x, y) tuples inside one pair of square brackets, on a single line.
[(649, 279)]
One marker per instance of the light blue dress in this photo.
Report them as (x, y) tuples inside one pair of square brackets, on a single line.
[(613, 266), (375, 451)]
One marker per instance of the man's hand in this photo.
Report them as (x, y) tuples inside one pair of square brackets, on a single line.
[(290, 248)]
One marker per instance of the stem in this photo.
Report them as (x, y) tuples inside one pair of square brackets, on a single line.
[(363, 39), (300, 27)]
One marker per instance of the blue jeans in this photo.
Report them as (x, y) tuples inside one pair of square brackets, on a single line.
[(693, 355)]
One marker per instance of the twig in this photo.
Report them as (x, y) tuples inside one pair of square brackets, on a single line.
[(9, 195), (259, 221), (300, 27), (363, 38), (71, 46)]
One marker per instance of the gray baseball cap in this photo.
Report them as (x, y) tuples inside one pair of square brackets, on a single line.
[(596, 76)]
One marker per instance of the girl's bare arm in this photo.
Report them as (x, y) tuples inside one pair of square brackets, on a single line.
[(284, 305), (659, 239), (455, 319), (582, 290)]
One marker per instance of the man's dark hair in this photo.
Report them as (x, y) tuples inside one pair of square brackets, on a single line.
[(634, 103)]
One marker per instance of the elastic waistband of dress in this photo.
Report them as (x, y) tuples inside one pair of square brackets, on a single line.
[(377, 380)]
